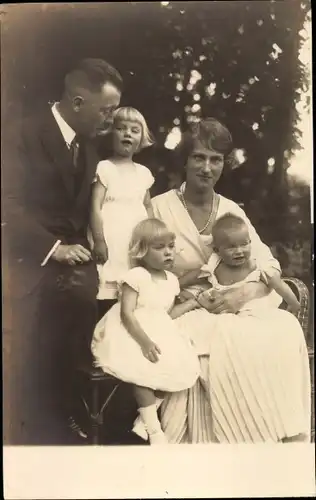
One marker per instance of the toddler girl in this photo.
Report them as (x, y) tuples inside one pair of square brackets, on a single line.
[(120, 199), (137, 341)]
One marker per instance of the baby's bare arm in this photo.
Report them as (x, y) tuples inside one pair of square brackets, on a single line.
[(285, 291)]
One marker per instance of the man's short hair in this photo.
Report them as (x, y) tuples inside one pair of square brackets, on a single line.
[(92, 74)]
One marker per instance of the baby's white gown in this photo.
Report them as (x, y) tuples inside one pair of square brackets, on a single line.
[(118, 354)]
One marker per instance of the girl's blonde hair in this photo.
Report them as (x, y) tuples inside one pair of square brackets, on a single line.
[(133, 115), (144, 234)]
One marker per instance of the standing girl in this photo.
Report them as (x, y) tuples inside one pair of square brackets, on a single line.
[(137, 341), (120, 199)]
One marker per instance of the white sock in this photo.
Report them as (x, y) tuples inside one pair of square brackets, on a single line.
[(140, 429), (139, 426), (150, 418)]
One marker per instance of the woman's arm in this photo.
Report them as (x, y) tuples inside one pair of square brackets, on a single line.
[(128, 306), (183, 308), (233, 299), (148, 205), (100, 248), (189, 278)]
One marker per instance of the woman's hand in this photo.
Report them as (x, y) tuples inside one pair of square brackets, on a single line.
[(150, 350), (100, 252), (228, 301), (231, 300)]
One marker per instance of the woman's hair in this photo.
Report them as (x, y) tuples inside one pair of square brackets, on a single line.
[(210, 133), (144, 234), (227, 223), (133, 115)]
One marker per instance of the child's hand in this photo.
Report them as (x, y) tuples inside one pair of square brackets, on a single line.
[(100, 252), (195, 303), (184, 296), (151, 351)]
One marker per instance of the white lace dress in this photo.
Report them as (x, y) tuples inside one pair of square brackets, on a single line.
[(122, 209), (117, 353)]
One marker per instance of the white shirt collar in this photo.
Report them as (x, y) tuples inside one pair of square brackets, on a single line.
[(67, 132)]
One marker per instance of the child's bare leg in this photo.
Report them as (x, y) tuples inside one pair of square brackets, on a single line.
[(160, 394), (146, 400), (144, 396)]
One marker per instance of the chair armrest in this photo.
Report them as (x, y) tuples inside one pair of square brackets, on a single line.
[(302, 294)]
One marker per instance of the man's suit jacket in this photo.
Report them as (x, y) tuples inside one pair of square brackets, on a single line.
[(40, 202)]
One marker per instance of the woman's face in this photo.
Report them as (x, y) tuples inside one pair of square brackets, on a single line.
[(204, 167)]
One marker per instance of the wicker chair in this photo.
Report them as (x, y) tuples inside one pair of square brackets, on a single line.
[(100, 388)]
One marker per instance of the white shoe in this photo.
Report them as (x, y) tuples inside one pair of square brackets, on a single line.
[(158, 438), (139, 429)]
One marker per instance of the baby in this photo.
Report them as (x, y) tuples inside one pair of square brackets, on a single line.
[(231, 242)]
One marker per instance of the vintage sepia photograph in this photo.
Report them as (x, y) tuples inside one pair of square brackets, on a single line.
[(157, 229)]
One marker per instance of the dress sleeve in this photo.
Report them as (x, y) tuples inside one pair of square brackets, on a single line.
[(135, 278), (209, 268), (147, 177), (175, 284), (103, 172), (260, 252)]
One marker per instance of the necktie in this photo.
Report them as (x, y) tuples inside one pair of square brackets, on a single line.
[(77, 151), (74, 148)]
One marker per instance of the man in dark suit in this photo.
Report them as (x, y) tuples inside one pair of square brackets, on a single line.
[(49, 165)]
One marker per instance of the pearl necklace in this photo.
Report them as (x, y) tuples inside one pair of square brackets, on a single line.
[(200, 231)]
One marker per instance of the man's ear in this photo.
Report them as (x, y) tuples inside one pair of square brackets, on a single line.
[(77, 102), (215, 249)]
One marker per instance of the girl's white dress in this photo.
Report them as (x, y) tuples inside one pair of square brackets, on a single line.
[(118, 354), (122, 209)]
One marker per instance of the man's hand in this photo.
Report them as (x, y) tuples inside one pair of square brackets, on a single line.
[(100, 252), (71, 254)]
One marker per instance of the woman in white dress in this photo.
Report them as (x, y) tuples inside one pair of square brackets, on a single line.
[(137, 341), (120, 199), (255, 378)]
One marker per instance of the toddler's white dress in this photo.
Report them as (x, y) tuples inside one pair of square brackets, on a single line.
[(122, 209), (118, 354)]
